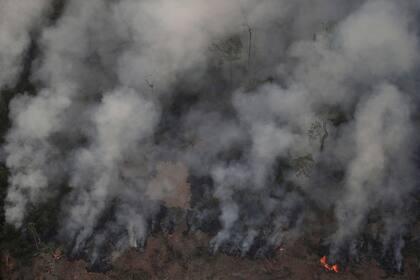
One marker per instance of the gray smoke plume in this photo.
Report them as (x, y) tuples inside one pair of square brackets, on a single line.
[(17, 21), (381, 173), (263, 99)]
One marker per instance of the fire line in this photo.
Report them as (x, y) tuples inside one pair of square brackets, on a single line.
[(328, 267)]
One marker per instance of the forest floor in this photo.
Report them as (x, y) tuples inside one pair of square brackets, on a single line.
[(185, 256)]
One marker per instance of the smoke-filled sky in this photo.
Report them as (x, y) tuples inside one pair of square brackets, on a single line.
[(269, 100)]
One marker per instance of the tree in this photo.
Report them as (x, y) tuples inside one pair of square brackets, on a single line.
[(318, 130), (229, 50), (303, 165)]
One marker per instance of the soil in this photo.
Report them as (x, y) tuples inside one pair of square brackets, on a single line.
[(186, 256)]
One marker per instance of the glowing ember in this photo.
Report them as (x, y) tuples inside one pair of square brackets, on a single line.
[(328, 267)]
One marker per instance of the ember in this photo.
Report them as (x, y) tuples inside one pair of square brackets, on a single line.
[(328, 267)]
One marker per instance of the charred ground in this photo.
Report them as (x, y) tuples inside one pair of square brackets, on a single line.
[(217, 189)]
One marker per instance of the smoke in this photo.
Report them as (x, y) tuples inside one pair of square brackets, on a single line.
[(106, 169), (381, 175), (30, 155), (18, 21), (264, 99)]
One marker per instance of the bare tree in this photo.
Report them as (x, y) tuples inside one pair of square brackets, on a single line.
[(32, 229)]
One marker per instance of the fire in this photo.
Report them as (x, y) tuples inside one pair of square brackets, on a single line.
[(328, 267)]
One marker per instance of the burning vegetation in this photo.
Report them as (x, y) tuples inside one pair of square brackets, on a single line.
[(327, 266), (147, 138)]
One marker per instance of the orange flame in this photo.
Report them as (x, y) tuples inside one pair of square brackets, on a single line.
[(328, 267)]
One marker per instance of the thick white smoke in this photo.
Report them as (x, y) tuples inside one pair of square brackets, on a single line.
[(18, 19), (262, 97), (381, 172), (31, 157)]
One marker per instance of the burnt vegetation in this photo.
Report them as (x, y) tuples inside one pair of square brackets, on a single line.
[(266, 232)]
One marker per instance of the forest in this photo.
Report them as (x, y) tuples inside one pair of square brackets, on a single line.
[(194, 139)]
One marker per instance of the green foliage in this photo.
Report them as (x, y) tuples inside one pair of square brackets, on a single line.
[(8, 235), (315, 130), (34, 233), (303, 165), (318, 130), (229, 49), (40, 225), (45, 216), (19, 245)]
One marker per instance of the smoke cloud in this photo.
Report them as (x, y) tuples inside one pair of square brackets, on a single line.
[(17, 22), (262, 99)]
